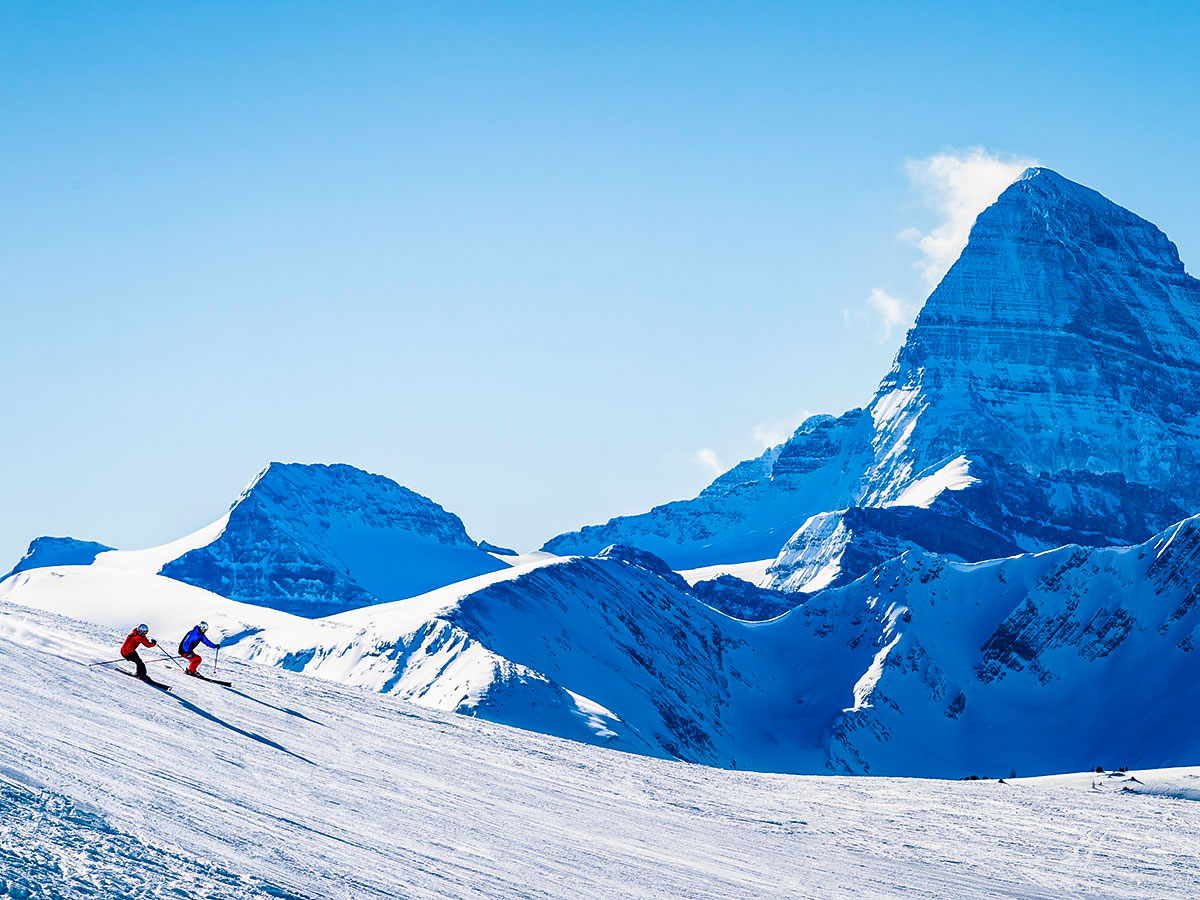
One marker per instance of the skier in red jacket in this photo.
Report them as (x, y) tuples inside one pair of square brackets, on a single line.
[(133, 640)]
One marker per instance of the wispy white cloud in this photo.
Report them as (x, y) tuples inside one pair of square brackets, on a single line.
[(771, 434), (890, 313), (882, 315), (708, 459), (958, 185)]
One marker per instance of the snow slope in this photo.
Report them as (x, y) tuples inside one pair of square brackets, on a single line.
[(1038, 663), (296, 788)]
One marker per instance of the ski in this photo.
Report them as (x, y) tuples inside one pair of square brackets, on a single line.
[(211, 680), (149, 681)]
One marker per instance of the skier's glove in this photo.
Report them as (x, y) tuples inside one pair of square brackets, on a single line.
[(154, 643)]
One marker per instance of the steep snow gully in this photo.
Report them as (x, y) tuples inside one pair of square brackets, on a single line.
[(299, 788)]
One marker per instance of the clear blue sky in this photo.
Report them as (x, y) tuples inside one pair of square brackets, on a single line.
[(526, 259)]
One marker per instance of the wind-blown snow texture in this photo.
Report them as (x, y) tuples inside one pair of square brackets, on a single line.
[(289, 787), (1048, 389)]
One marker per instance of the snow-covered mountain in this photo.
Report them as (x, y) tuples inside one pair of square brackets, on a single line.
[(289, 788), (1039, 662), (1048, 390), (316, 539), (924, 667), (979, 570), (308, 539), (58, 551)]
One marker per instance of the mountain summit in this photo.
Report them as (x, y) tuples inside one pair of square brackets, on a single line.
[(320, 539), (312, 540), (1046, 394)]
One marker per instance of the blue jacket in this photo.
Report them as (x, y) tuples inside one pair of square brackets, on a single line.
[(193, 637)]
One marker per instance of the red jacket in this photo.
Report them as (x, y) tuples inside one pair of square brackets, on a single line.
[(134, 640)]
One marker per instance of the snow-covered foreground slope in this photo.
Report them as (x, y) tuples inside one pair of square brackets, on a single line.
[(292, 787)]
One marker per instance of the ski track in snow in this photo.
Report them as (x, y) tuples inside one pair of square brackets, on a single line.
[(292, 787)]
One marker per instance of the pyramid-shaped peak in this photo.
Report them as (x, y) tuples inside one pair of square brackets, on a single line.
[(1048, 177), (294, 474), (1043, 208), (341, 489), (1060, 193), (316, 539)]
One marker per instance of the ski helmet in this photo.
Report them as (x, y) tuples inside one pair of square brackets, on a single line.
[(204, 626), (143, 628)]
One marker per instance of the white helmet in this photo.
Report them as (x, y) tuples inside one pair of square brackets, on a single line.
[(204, 626)]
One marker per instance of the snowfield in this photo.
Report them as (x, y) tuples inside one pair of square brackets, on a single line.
[(288, 786)]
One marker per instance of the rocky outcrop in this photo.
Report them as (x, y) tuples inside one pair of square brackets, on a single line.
[(740, 599), (999, 510), (837, 547)]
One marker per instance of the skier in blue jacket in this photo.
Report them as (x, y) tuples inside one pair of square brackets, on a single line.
[(187, 647)]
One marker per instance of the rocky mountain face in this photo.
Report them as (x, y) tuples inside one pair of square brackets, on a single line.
[(316, 540), (1025, 664), (1046, 394), (739, 599), (999, 510)]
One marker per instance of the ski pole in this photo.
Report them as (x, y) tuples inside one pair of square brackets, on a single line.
[(216, 656), (169, 656), (109, 662)]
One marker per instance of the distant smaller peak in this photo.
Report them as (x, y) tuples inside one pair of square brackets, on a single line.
[(58, 551)]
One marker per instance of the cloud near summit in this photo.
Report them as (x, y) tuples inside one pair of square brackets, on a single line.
[(958, 185)]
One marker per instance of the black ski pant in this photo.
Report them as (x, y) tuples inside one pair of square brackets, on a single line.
[(137, 661)]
